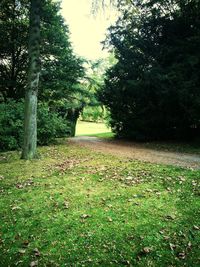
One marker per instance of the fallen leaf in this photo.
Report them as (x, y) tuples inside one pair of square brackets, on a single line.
[(16, 208), (34, 263), (22, 251), (25, 243), (37, 252), (196, 227), (19, 186), (66, 205), (182, 255), (170, 217), (172, 246), (128, 178), (85, 216), (146, 250)]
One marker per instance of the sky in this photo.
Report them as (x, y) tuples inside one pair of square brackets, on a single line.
[(87, 31)]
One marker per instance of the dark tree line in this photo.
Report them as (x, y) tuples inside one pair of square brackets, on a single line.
[(153, 92)]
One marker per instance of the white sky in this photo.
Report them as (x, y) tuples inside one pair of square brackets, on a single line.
[(86, 30)]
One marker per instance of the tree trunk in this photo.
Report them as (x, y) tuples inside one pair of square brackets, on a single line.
[(30, 122), (72, 116)]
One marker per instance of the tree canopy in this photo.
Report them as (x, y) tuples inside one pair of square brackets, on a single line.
[(60, 68), (153, 90)]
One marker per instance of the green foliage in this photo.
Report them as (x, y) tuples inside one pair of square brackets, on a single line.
[(61, 70), (50, 125), (14, 23), (11, 121), (92, 114), (153, 90), (94, 81)]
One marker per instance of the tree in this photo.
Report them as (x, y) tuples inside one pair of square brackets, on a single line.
[(58, 62), (30, 124), (61, 71), (153, 90), (13, 48)]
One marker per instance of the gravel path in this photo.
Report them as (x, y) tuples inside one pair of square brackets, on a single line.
[(136, 151)]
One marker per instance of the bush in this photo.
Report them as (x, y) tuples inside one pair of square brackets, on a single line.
[(50, 125), (11, 125)]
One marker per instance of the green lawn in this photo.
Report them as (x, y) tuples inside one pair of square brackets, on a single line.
[(74, 207), (92, 129)]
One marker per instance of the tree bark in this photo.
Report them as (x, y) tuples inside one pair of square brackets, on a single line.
[(72, 116), (30, 120)]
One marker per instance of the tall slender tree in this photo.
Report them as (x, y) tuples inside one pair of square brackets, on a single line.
[(30, 123)]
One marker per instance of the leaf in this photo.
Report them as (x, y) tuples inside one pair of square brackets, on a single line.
[(182, 255), (85, 216), (37, 252), (22, 251), (19, 186), (196, 227), (129, 178), (147, 250), (110, 219), (16, 208), (170, 217), (172, 246), (66, 205), (25, 243), (34, 263)]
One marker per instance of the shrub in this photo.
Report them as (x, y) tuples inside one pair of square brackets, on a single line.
[(50, 125)]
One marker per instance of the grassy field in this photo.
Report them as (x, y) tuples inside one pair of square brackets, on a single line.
[(74, 207), (92, 128)]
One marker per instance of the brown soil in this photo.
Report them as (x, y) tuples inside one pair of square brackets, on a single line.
[(138, 152)]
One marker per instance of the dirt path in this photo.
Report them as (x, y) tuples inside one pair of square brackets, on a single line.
[(138, 152)]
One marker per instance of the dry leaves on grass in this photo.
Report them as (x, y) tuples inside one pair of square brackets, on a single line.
[(66, 165), (27, 183)]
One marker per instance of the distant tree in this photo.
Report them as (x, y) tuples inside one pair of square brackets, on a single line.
[(94, 110)]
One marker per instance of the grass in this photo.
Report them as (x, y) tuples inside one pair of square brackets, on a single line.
[(92, 129), (74, 207)]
